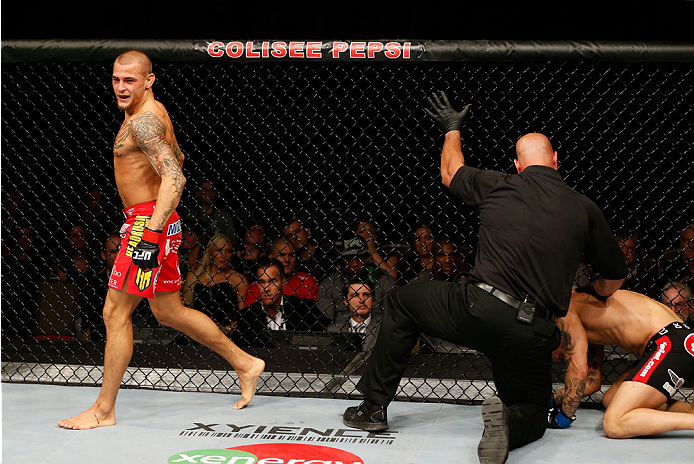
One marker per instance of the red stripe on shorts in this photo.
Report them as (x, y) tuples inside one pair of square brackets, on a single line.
[(664, 345)]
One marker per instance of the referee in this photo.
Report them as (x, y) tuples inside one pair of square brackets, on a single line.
[(533, 230)]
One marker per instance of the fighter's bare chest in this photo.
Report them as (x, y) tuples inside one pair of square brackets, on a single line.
[(124, 143)]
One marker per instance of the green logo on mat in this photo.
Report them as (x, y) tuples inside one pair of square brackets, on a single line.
[(214, 456)]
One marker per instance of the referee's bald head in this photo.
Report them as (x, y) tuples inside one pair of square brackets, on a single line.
[(534, 149)]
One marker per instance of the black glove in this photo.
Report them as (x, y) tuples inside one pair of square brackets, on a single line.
[(590, 290), (443, 113), (146, 252)]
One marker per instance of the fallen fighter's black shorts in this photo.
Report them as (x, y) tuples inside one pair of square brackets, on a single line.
[(668, 361)]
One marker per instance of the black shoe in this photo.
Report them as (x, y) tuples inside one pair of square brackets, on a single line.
[(493, 447), (361, 417)]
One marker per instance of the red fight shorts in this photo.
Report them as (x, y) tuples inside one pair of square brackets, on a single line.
[(166, 277)]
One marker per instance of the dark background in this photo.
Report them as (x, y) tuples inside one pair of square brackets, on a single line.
[(668, 20)]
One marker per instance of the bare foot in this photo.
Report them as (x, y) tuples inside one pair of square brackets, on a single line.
[(248, 379), (88, 419)]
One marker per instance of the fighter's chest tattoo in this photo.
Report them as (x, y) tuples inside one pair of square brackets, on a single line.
[(121, 138)]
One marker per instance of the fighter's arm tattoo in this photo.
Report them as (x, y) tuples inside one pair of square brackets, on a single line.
[(150, 135), (574, 382), (596, 358)]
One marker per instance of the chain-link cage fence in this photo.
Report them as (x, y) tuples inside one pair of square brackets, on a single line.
[(293, 161)]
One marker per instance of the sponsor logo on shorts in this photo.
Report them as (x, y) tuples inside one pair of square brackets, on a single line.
[(174, 228), (136, 233), (116, 273), (173, 282), (676, 379), (664, 346), (112, 283), (270, 453), (124, 228), (143, 279), (689, 344), (668, 388)]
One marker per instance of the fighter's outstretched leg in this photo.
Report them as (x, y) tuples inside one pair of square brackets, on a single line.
[(169, 311), (118, 309)]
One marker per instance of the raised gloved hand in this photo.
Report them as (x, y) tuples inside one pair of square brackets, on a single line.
[(590, 290), (443, 113), (146, 252), (556, 419)]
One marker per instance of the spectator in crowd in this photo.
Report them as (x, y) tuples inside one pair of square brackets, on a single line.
[(358, 297), (22, 270), (209, 218), (448, 263), (274, 310), (109, 252), (298, 283), (313, 259), (13, 209), (93, 323), (214, 286), (354, 263), (190, 251), (252, 248), (82, 266), (95, 215), (680, 298), (642, 269), (680, 267), (366, 229), (421, 256)]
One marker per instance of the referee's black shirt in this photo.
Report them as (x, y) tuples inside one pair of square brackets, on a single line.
[(533, 230)]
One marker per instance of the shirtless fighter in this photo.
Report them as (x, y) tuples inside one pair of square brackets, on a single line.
[(147, 162), (640, 402)]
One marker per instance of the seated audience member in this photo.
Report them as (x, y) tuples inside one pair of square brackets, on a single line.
[(642, 269), (98, 215), (354, 263), (680, 298), (298, 284), (312, 259), (94, 323), (366, 229), (214, 287), (448, 264), (358, 296), (82, 266), (209, 218), (252, 248), (22, 270), (420, 256), (274, 310), (190, 251), (680, 267), (14, 208)]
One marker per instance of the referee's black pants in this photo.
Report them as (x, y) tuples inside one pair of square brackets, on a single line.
[(520, 353)]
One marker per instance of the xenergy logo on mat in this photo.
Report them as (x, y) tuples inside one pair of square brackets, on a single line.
[(285, 433), (271, 453)]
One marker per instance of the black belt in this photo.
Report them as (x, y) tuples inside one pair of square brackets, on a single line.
[(508, 299)]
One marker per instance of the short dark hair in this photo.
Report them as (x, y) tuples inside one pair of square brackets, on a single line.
[(264, 262), (357, 281)]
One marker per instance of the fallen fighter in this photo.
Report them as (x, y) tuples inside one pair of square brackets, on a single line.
[(641, 401)]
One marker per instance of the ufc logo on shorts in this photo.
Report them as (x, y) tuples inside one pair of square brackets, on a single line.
[(141, 254)]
